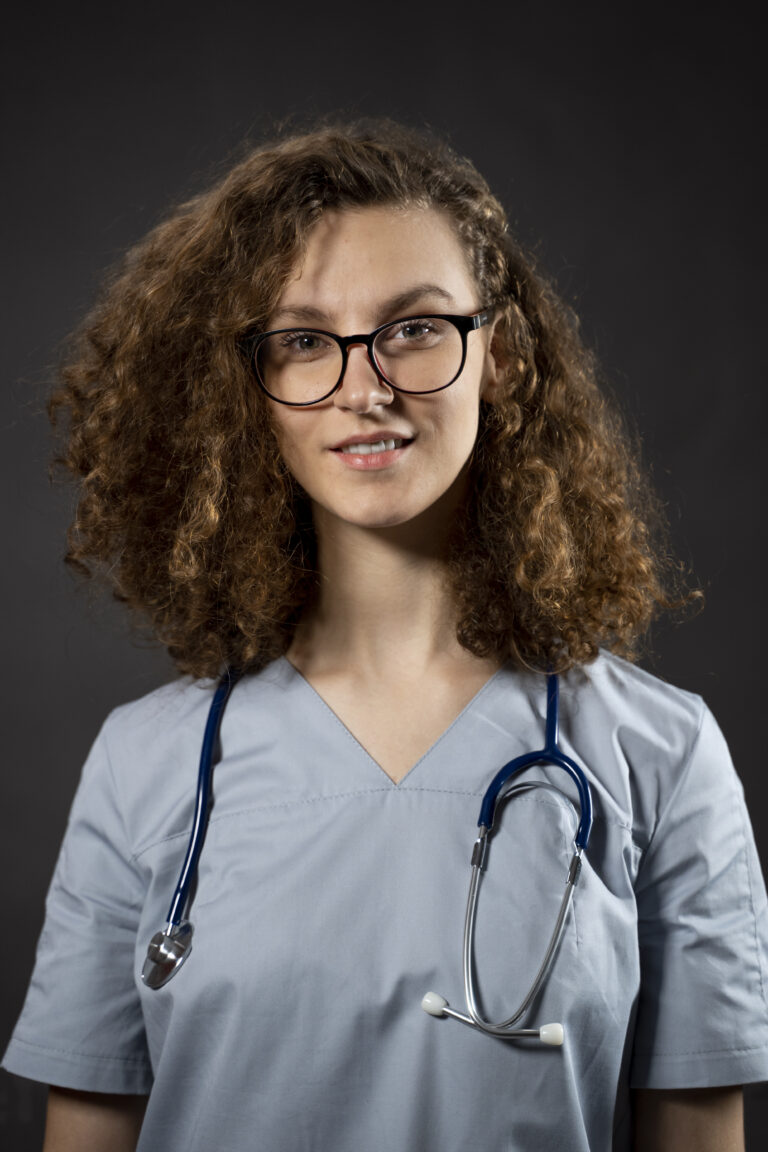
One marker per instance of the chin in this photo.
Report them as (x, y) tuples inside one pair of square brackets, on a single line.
[(380, 519), (378, 514)]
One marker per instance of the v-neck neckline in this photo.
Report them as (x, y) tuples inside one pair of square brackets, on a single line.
[(366, 754)]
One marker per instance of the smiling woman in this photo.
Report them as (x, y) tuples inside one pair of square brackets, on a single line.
[(362, 267), (551, 561), (339, 442)]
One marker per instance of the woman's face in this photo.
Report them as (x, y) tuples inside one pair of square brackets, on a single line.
[(363, 268)]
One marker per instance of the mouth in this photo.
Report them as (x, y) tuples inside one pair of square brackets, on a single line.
[(373, 452), (367, 448)]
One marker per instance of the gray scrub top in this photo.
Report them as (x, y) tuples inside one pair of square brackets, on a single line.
[(330, 900)]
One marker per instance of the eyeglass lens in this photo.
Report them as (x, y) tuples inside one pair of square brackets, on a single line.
[(416, 355)]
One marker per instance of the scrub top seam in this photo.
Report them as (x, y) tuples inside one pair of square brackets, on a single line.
[(669, 806), (667, 1054), (542, 801), (297, 803), (100, 1056), (748, 871), (120, 806)]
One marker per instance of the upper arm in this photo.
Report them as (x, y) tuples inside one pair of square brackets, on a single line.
[(702, 1014), (689, 1120), (82, 1024), (98, 1121)]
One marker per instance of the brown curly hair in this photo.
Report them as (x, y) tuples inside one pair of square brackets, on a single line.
[(186, 504)]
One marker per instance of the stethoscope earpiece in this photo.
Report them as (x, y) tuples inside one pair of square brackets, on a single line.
[(434, 1004)]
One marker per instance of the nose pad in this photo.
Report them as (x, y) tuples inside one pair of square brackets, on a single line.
[(362, 388)]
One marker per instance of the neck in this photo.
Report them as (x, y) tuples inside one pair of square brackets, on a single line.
[(384, 601)]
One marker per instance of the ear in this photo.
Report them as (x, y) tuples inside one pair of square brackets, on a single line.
[(495, 368)]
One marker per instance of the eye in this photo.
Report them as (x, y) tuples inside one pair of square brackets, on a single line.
[(296, 346), (304, 343), (411, 330), (416, 334)]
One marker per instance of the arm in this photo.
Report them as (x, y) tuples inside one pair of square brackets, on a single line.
[(98, 1121), (689, 1120)]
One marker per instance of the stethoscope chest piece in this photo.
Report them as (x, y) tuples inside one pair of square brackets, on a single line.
[(166, 953)]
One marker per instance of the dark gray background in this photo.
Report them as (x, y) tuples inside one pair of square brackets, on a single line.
[(625, 143)]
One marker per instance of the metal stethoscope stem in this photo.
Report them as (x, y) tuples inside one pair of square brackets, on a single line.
[(470, 980), (501, 787)]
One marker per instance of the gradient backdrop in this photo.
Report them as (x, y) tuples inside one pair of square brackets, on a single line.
[(626, 143)]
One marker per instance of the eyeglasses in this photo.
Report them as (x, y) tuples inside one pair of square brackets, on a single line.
[(300, 366)]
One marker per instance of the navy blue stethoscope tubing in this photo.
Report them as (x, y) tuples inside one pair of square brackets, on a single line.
[(203, 799), (551, 753)]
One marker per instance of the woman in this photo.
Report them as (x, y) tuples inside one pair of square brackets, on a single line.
[(335, 434)]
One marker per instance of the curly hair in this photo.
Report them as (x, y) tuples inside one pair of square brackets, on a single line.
[(186, 505)]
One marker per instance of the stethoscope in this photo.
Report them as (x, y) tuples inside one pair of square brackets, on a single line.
[(170, 947)]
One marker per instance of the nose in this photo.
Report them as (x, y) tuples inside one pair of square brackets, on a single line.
[(361, 389)]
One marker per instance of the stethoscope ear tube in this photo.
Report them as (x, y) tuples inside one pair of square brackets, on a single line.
[(552, 754), (170, 947), (203, 799)]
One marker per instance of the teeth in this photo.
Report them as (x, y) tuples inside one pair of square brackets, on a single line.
[(378, 446)]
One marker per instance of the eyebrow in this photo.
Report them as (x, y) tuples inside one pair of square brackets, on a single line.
[(395, 306)]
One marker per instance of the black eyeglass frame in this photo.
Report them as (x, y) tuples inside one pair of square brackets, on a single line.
[(463, 324)]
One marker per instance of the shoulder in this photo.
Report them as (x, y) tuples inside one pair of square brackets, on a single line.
[(629, 688), (148, 750), (630, 697), (646, 741), (159, 718), (158, 714)]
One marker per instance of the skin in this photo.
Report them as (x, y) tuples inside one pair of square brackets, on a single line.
[(690, 1119), (92, 1121), (380, 642)]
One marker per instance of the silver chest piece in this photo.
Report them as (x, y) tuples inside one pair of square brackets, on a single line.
[(166, 953)]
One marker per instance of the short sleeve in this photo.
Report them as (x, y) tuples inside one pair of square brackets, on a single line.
[(81, 1025), (702, 1018)]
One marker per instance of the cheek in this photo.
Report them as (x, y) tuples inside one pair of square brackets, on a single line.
[(291, 440), (459, 426)]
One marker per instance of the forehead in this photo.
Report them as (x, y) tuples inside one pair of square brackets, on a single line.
[(357, 258)]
